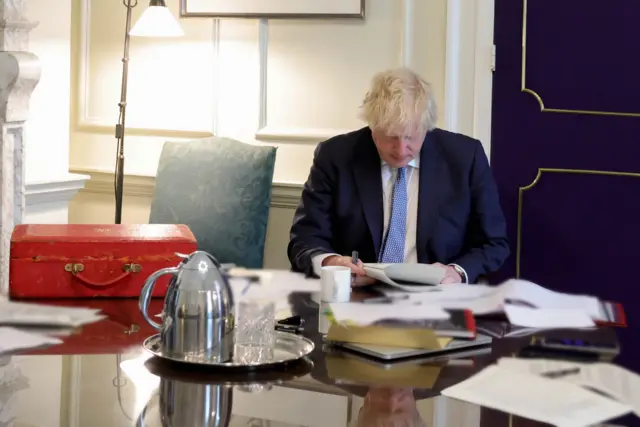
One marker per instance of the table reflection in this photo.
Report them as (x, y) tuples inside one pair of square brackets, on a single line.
[(185, 396), (101, 376), (12, 382), (389, 407)]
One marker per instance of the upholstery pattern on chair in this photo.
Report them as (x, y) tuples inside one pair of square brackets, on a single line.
[(221, 189)]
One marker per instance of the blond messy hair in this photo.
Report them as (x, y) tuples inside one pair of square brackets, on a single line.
[(399, 99)]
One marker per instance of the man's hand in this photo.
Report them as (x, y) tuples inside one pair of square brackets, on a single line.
[(357, 269), (450, 276)]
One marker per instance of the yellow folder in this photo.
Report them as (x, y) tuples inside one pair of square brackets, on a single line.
[(385, 335)]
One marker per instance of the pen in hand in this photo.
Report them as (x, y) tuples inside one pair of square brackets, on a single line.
[(354, 261)]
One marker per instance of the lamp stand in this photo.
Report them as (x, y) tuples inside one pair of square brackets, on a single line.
[(120, 127)]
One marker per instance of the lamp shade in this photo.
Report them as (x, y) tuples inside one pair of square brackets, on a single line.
[(157, 21)]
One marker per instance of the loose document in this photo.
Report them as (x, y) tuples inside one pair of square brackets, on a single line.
[(612, 380), (551, 401)]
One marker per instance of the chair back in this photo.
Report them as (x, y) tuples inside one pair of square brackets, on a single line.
[(221, 189)]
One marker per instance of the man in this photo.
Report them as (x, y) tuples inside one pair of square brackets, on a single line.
[(389, 406), (400, 190)]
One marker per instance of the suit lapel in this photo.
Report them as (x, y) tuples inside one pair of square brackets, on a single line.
[(367, 174), (430, 165)]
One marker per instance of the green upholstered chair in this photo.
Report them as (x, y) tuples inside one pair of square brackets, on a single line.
[(221, 189)]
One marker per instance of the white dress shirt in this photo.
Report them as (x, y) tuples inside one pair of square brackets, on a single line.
[(389, 175)]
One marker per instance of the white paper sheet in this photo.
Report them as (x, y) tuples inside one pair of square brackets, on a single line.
[(366, 314), (540, 297), (465, 297), (548, 318), (12, 339), (22, 314), (423, 275), (275, 281), (550, 401), (617, 382)]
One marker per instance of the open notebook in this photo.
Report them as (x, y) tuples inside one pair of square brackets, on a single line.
[(409, 277)]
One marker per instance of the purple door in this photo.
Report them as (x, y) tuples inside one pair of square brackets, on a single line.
[(565, 148)]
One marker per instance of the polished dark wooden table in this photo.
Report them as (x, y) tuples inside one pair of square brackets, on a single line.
[(100, 376)]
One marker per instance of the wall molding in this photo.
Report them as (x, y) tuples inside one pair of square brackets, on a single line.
[(268, 133), (406, 41), (468, 69), (284, 195), (291, 134), (58, 191), (84, 122)]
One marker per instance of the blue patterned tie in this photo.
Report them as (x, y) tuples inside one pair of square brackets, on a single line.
[(393, 250)]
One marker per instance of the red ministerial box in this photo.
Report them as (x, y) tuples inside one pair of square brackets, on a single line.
[(91, 260)]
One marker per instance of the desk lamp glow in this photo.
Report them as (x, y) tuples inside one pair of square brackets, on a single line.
[(156, 21)]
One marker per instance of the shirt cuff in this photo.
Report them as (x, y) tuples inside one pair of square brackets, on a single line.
[(465, 278), (316, 261)]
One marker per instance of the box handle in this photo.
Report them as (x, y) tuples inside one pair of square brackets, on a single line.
[(77, 268)]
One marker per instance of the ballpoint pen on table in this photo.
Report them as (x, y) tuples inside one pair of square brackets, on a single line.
[(385, 299), (354, 260), (560, 373)]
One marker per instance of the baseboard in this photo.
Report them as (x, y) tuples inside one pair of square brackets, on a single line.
[(284, 195)]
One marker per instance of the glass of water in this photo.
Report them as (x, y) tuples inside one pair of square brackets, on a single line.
[(254, 330)]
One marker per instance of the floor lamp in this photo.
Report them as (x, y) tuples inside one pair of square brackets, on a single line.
[(156, 21)]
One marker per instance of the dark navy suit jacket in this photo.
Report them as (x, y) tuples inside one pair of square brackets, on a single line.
[(459, 215)]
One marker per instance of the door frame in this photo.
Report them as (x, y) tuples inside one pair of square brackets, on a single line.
[(469, 63)]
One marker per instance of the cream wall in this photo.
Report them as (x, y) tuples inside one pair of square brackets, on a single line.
[(49, 185), (289, 83), (47, 130)]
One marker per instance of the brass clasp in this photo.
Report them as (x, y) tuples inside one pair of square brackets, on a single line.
[(74, 268), (132, 268)]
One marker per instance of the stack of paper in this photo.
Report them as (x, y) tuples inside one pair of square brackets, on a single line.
[(546, 318), (26, 325), (542, 399), (525, 303)]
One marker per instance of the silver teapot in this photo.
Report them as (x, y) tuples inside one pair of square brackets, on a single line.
[(184, 404), (198, 318)]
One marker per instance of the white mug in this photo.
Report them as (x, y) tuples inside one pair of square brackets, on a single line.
[(335, 283)]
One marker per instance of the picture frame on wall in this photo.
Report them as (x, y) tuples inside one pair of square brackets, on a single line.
[(292, 9)]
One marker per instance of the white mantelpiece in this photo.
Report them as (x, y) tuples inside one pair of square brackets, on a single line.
[(19, 75)]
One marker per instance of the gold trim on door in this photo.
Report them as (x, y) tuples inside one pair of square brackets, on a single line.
[(535, 182), (525, 89)]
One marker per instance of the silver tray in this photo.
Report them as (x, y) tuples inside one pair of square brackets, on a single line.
[(288, 348)]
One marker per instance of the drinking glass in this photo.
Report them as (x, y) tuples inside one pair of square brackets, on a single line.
[(254, 330)]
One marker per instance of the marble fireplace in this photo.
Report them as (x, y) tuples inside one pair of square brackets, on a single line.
[(19, 75)]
